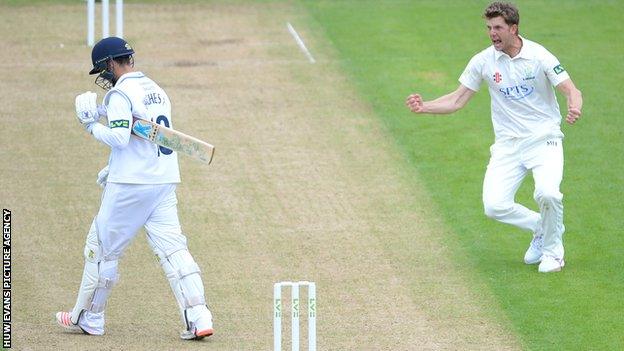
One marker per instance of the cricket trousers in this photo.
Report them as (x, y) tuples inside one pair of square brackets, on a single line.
[(510, 161), (125, 208)]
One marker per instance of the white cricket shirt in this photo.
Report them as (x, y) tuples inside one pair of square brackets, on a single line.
[(134, 160), (523, 99)]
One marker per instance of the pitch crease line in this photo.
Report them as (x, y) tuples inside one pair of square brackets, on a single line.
[(302, 46)]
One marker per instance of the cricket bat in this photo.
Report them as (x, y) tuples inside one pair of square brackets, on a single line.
[(172, 139)]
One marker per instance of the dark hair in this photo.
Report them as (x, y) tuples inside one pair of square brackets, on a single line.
[(124, 60), (508, 11)]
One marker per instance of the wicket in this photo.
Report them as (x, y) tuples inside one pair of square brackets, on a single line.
[(277, 314), (105, 26)]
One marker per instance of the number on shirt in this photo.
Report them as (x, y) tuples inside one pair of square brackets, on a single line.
[(163, 120)]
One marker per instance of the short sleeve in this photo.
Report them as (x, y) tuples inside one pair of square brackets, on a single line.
[(553, 68), (472, 77)]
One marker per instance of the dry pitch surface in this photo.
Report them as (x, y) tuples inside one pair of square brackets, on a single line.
[(305, 185)]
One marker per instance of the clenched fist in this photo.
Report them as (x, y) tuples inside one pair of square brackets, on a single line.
[(415, 103)]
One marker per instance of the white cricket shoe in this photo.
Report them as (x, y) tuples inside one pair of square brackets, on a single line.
[(533, 254), (200, 322), (550, 264), (64, 320)]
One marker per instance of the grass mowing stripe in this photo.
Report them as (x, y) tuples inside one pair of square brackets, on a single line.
[(391, 49)]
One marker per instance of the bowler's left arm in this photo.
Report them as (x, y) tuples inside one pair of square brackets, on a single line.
[(574, 99)]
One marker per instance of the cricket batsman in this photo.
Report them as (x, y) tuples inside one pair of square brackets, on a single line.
[(139, 191), (520, 75)]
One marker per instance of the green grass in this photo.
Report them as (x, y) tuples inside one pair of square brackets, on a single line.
[(390, 49)]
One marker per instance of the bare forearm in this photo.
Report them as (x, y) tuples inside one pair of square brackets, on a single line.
[(575, 99), (446, 104), (443, 105)]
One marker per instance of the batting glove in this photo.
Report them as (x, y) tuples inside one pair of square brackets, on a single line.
[(87, 109), (102, 177)]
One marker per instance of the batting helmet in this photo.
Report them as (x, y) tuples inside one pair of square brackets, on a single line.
[(105, 50)]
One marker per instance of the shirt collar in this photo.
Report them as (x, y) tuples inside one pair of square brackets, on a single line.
[(522, 54), (135, 74)]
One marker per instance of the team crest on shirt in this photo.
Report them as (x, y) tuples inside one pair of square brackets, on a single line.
[(528, 73), (497, 77)]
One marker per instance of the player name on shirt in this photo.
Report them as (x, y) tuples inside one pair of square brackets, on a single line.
[(153, 98)]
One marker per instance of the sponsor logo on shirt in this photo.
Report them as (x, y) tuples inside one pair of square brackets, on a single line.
[(120, 123), (517, 92), (558, 69), (551, 143), (497, 77)]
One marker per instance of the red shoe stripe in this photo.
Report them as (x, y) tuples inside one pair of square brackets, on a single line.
[(204, 333)]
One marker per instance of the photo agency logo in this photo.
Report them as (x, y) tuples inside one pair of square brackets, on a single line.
[(6, 278)]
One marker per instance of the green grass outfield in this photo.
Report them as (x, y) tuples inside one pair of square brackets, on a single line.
[(391, 49)]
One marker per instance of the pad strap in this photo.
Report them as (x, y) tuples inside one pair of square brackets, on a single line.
[(189, 269), (192, 268), (194, 301), (106, 284)]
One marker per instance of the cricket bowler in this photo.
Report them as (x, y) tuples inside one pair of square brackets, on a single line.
[(520, 75)]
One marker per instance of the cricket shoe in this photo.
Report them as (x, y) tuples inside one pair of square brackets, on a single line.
[(200, 323), (551, 264), (533, 254), (64, 320)]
